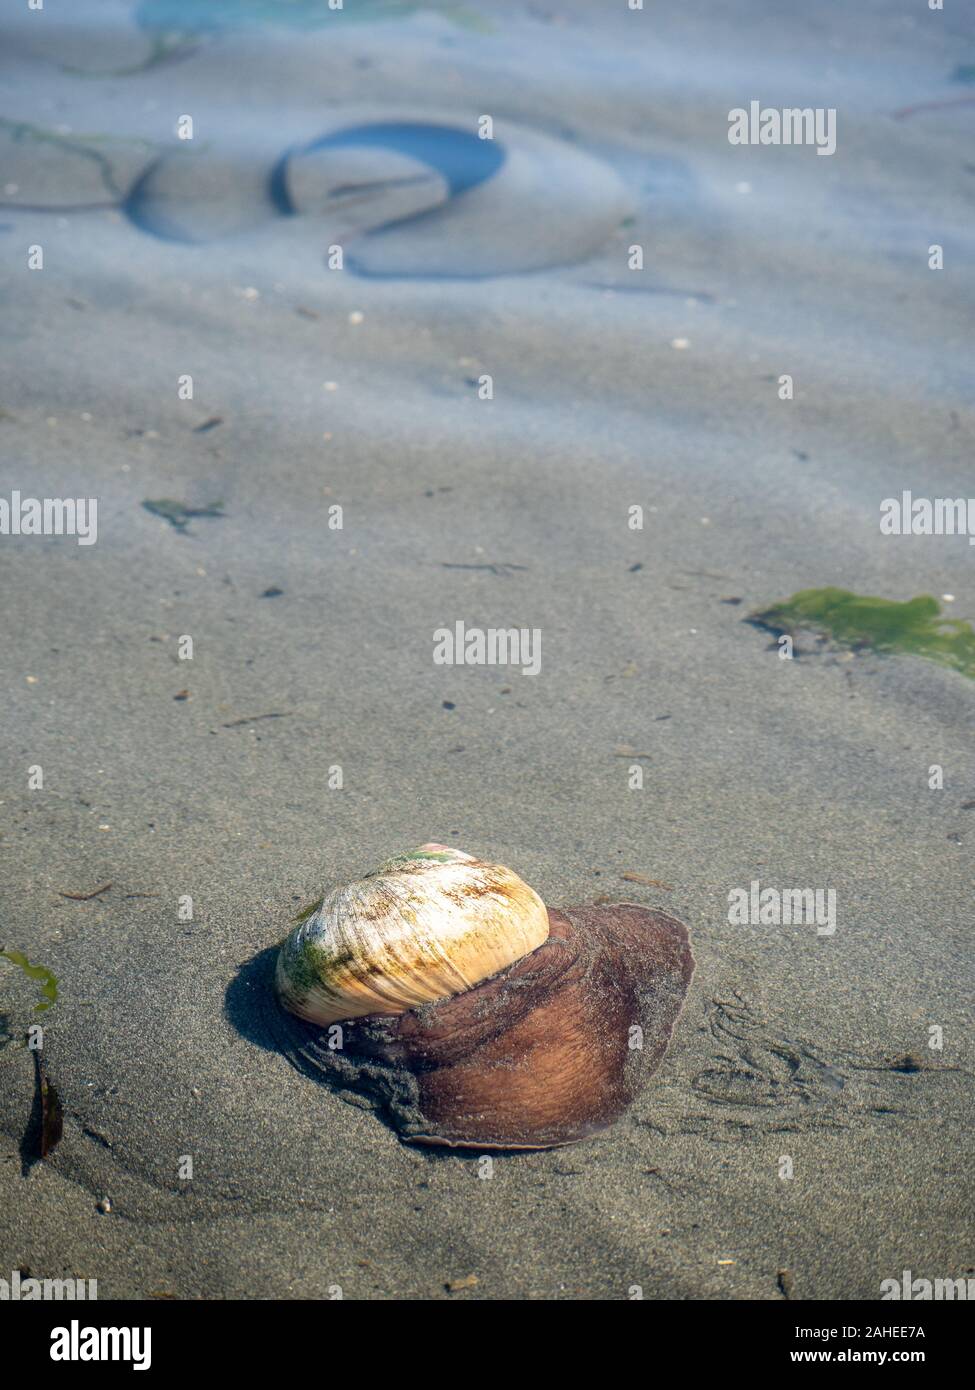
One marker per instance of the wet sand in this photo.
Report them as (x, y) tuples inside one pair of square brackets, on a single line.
[(315, 389)]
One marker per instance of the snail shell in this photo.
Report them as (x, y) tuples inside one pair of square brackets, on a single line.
[(456, 1050), (425, 925), (410, 194)]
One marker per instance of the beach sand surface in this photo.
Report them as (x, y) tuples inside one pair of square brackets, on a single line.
[(209, 778)]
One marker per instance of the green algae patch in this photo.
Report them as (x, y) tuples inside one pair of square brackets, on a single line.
[(915, 627), (49, 989)]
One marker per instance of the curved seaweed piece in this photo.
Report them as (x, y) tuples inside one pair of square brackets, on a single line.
[(165, 47), (49, 988)]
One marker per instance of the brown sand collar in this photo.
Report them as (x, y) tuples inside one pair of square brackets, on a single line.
[(546, 1049)]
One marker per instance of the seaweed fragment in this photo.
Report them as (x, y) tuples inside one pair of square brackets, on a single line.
[(49, 989), (178, 514), (915, 627)]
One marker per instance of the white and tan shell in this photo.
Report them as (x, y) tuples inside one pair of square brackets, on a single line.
[(423, 926)]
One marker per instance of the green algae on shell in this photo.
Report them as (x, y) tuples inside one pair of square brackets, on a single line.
[(915, 627), (423, 926)]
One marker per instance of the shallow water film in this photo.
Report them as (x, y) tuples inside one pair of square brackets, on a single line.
[(538, 430)]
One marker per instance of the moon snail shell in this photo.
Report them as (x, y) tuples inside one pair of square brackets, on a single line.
[(414, 195), (473, 1016)]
